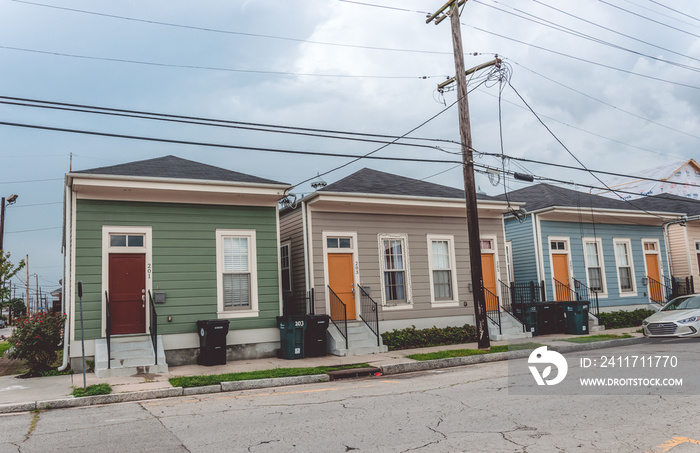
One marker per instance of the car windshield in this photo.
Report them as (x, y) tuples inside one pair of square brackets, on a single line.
[(683, 303)]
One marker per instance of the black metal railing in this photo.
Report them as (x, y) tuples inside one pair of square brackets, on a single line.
[(563, 292), (678, 286), (153, 328), (339, 315), (298, 303), (108, 332), (507, 297), (526, 292), (369, 313), (492, 311), (657, 291), (583, 292)]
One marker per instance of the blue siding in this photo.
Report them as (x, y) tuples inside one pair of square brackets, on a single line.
[(523, 249), (606, 233)]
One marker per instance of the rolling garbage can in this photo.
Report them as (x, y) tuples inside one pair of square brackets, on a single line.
[(212, 341), (576, 313), (292, 330), (551, 318), (315, 342), (527, 313)]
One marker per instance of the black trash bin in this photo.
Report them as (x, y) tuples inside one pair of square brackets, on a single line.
[(315, 342), (212, 341), (576, 313), (292, 329), (551, 318)]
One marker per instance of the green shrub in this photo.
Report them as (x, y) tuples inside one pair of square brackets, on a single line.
[(410, 337), (619, 319), (37, 341)]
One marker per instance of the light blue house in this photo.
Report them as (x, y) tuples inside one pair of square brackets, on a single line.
[(569, 245)]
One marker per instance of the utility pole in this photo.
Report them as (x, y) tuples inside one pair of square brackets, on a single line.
[(482, 330), (38, 299), (27, 264)]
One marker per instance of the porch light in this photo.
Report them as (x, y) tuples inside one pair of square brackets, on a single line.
[(645, 281)]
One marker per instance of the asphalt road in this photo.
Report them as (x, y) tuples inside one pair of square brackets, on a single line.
[(479, 408)]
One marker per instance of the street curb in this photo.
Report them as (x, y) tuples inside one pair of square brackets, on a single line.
[(410, 367), (272, 382)]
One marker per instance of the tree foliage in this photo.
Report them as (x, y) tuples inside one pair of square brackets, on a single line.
[(37, 340), (7, 271)]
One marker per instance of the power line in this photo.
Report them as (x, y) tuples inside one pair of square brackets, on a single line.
[(650, 19), (675, 10)]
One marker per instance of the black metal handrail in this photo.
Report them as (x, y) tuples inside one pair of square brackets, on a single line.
[(583, 293), (370, 313), (507, 298), (297, 303), (563, 291), (339, 315), (108, 332), (657, 291), (153, 328), (678, 286), (526, 292), (494, 315)]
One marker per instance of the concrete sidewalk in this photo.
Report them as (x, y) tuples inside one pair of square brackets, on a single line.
[(18, 394)]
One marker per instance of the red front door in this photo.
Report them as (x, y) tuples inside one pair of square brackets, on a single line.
[(127, 293)]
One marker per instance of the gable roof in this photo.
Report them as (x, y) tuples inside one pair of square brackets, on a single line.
[(668, 202), (368, 181), (171, 167), (541, 196)]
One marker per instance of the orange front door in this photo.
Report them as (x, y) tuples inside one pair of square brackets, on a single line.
[(127, 292), (561, 277), (488, 277), (654, 279), (341, 281)]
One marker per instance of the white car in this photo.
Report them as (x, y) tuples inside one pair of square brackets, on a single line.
[(678, 318)]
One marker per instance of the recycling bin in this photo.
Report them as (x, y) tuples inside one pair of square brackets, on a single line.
[(576, 313), (212, 341), (315, 342), (551, 318), (527, 314), (292, 330)]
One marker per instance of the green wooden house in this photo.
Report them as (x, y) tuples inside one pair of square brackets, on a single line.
[(163, 243)]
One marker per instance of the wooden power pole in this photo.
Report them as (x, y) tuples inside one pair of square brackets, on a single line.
[(482, 330)]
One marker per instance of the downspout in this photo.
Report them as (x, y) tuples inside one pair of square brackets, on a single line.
[(306, 253), (67, 284), (538, 251)]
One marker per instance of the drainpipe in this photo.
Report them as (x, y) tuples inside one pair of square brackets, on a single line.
[(306, 254), (67, 283)]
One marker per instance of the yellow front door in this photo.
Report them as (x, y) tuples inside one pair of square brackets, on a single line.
[(560, 262), (341, 281), (488, 276), (655, 293)]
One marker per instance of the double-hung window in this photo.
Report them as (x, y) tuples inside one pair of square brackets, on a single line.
[(394, 269), (442, 268), (623, 260), (594, 265), (286, 267), (237, 273)]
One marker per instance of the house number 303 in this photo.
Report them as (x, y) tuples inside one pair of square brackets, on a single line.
[(298, 323)]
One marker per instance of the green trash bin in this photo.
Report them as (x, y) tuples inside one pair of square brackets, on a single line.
[(576, 313), (551, 318), (527, 314), (292, 330)]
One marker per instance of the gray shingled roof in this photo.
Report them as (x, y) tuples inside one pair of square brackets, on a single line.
[(368, 181), (541, 196), (670, 203), (176, 168)]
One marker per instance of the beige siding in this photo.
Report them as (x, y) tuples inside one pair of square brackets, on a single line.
[(369, 226), (291, 230), (679, 254), (693, 230)]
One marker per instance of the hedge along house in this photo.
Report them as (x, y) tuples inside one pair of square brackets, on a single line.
[(163, 243), (390, 251), (683, 241), (577, 246)]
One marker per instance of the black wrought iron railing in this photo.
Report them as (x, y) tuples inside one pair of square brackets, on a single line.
[(657, 291), (492, 311), (583, 292), (298, 303), (108, 332), (153, 328), (563, 292), (507, 297), (678, 286), (369, 313), (526, 292), (339, 315)]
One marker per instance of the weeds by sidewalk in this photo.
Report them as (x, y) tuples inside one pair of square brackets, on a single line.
[(467, 352), (594, 338)]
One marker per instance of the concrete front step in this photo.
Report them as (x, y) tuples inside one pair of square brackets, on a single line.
[(129, 356), (361, 340)]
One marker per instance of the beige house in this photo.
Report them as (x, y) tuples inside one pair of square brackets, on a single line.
[(390, 251)]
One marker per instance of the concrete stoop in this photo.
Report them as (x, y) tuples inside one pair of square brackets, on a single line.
[(130, 355), (361, 340), (511, 328), (593, 325)]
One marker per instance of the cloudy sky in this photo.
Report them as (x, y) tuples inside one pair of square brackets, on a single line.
[(614, 80)]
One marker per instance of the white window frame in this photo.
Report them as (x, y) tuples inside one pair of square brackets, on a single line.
[(454, 300), (407, 269), (628, 243), (288, 245), (601, 259), (352, 235), (567, 251), (509, 261), (253, 311)]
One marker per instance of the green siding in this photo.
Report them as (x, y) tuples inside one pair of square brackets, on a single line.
[(184, 259)]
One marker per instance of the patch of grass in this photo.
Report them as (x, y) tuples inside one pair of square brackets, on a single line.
[(467, 352), (91, 390), (4, 346), (214, 379), (594, 338), (55, 372)]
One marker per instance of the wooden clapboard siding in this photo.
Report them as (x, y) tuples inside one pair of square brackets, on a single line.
[(523, 249), (292, 231), (677, 244), (184, 258)]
